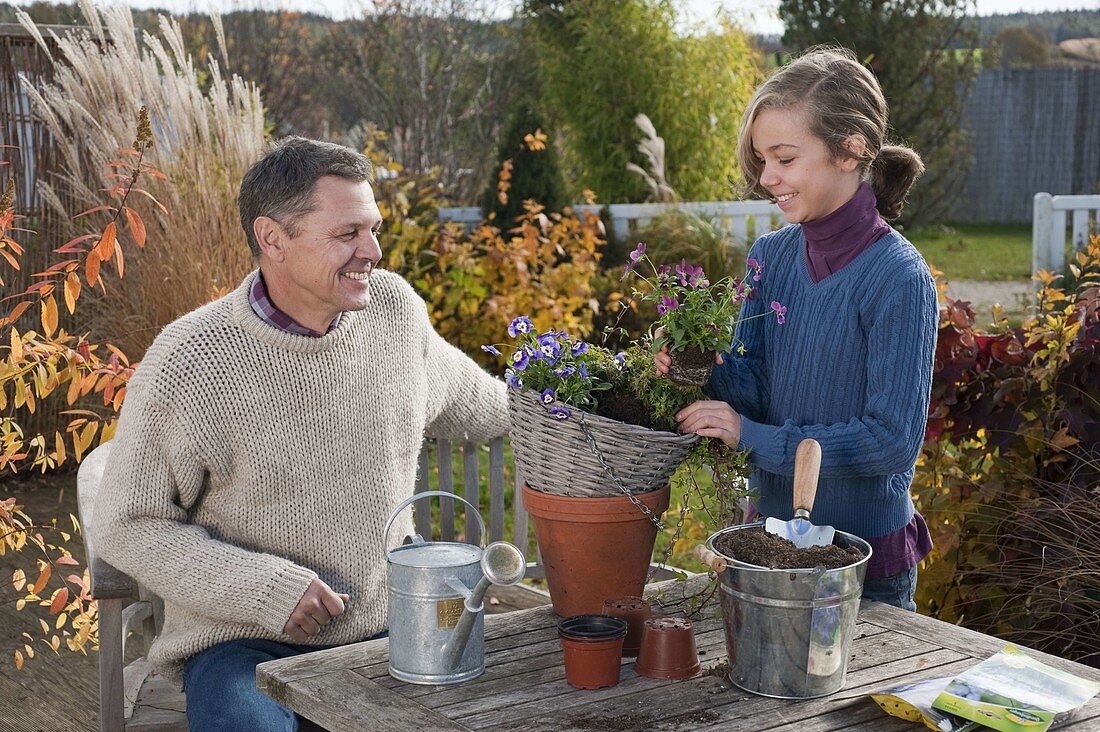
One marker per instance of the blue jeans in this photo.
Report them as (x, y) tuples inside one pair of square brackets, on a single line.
[(220, 684), (897, 590)]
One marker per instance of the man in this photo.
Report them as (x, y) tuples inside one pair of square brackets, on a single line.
[(266, 438)]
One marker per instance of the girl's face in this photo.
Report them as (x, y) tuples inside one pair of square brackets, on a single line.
[(798, 171)]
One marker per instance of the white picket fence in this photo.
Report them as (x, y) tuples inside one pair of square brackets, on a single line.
[(740, 221), (1056, 216)]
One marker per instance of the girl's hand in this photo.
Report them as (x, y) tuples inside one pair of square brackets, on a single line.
[(712, 419)]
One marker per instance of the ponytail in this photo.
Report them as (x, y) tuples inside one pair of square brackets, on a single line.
[(893, 173)]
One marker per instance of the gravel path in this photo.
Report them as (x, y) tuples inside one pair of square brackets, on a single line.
[(1014, 296)]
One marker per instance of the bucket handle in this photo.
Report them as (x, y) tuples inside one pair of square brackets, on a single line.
[(428, 494)]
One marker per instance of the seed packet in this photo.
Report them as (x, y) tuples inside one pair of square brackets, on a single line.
[(1012, 692), (913, 702)]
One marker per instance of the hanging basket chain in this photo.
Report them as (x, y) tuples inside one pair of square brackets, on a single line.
[(634, 499)]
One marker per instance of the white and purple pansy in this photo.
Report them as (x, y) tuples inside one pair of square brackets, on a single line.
[(519, 326), (560, 413)]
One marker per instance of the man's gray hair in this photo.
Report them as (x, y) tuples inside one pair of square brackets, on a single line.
[(280, 184)]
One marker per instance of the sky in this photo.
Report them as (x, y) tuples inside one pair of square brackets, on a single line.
[(759, 16)]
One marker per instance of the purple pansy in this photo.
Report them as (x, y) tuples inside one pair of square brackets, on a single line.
[(638, 252), (739, 289), (491, 349), (520, 325), (620, 360), (667, 304), (780, 312), (520, 359), (547, 396), (578, 348), (549, 346), (512, 380), (662, 274), (757, 267), (565, 372), (559, 413), (583, 371)]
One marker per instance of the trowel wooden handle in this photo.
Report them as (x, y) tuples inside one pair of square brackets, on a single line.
[(807, 465), (709, 558)]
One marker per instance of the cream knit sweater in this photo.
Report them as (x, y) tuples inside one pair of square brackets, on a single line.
[(249, 461)]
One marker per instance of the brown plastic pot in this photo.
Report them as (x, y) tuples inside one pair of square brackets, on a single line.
[(691, 367), (593, 548), (635, 611), (668, 649), (593, 650)]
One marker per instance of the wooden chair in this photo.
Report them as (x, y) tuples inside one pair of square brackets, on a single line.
[(133, 697)]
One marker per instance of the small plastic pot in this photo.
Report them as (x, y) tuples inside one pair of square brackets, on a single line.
[(593, 649), (668, 649), (691, 367), (635, 611)]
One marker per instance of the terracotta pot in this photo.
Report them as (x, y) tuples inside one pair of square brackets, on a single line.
[(635, 611), (593, 650), (691, 367), (593, 548), (668, 649)]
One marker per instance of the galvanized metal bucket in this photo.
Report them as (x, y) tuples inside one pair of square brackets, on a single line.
[(789, 631), (428, 586)]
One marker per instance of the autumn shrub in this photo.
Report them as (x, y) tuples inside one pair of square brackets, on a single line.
[(544, 263), (208, 130), (40, 363), (1009, 479)]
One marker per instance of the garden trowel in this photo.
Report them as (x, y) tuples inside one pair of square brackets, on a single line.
[(799, 530)]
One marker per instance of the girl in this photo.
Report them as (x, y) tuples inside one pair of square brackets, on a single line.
[(852, 365)]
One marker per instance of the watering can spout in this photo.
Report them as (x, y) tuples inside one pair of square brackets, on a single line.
[(501, 564)]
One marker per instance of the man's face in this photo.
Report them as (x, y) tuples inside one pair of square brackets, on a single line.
[(325, 269)]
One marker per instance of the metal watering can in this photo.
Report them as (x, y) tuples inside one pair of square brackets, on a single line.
[(436, 589)]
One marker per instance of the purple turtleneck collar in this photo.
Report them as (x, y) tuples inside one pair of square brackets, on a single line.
[(835, 240)]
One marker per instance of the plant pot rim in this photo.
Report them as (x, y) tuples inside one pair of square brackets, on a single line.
[(611, 628), (593, 510)]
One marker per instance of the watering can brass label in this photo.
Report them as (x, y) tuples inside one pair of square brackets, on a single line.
[(447, 612)]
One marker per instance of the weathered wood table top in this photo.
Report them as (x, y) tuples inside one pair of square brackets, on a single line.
[(524, 686)]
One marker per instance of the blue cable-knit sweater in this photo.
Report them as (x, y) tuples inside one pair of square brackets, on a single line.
[(851, 368)]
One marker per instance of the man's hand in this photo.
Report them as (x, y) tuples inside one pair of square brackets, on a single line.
[(662, 360), (711, 419), (318, 606)]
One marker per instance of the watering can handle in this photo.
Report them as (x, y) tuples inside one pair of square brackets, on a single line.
[(428, 494)]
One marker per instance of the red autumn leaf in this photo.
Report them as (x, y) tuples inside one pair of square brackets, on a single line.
[(59, 599), (91, 268), (105, 249), (137, 226), (104, 207), (43, 578)]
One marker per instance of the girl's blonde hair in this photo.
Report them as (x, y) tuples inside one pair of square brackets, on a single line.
[(841, 99)]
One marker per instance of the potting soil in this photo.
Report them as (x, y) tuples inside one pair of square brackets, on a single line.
[(756, 546)]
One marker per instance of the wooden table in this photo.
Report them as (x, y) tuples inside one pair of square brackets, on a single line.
[(524, 686)]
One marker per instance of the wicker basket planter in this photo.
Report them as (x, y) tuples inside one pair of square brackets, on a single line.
[(554, 456)]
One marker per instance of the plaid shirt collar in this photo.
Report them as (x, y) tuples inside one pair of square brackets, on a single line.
[(268, 312)]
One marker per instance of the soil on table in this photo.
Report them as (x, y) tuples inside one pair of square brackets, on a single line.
[(757, 546), (624, 408)]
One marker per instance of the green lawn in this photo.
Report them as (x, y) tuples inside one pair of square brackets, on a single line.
[(976, 251)]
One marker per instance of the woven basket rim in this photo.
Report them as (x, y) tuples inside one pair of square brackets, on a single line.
[(600, 420)]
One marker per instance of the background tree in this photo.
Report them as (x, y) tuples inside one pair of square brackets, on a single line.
[(435, 75), (602, 62), (922, 52), (1018, 46), (535, 171)]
